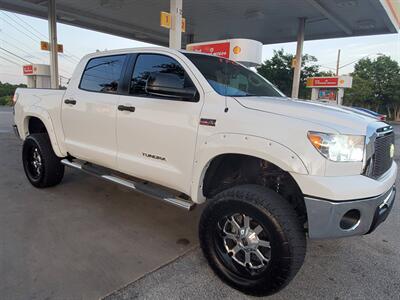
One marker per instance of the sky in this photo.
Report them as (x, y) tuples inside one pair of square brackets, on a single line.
[(21, 36)]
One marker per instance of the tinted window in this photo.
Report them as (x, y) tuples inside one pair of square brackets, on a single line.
[(102, 74), (148, 65), (231, 79)]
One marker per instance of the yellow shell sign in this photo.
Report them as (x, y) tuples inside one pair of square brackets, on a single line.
[(165, 21), (236, 50)]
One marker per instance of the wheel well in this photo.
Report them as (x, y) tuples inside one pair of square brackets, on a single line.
[(35, 125), (229, 170)]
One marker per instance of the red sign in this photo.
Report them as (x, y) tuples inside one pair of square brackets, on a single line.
[(219, 49), (327, 94), (28, 69), (323, 82)]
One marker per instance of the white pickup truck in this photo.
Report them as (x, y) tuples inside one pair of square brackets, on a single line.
[(190, 128)]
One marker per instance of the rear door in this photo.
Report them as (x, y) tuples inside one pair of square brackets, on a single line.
[(157, 137), (89, 111)]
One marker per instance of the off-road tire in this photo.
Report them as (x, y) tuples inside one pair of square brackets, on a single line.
[(52, 171), (286, 235)]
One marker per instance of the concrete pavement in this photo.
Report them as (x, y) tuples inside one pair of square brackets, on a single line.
[(83, 238), (87, 238), (366, 267)]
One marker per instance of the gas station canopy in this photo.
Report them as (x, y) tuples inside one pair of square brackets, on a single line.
[(264, 21), (267, 21)]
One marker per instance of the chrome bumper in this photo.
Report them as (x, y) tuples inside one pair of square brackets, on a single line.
[(331, 219)]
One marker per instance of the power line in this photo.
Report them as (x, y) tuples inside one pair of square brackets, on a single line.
[(19, 42), (18, 29), (355, 61), (76, 57), (32, 33), (18, 64), (15, 55), (73, 62), (43, 36), (11, 57), (73, 56), (13, 62), (69, 59), (9, 74), (16, 40), (27, 53), (1, 48), (327, 67), (33, 28), (68, 73)]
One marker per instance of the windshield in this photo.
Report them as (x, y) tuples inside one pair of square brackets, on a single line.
[(229, 78)]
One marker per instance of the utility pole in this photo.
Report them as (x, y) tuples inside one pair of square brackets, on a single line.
[(339, 92), (175, 32), (52, 20), (299, 53), (337, 63)]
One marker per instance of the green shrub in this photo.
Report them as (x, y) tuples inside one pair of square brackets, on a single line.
[(6, 100)]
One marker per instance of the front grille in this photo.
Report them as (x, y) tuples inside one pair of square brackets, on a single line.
[(382, 159)]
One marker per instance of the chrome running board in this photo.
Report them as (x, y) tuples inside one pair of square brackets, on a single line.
[(142, 187)]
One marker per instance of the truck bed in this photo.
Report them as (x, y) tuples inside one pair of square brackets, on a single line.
[(30, 94), (42, 103)]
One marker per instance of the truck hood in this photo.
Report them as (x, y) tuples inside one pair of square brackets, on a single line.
[(339, 119)]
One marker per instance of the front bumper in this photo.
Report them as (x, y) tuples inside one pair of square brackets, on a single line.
[(345, 188), (330, 219)]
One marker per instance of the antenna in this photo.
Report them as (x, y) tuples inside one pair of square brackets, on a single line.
[(226, 87)]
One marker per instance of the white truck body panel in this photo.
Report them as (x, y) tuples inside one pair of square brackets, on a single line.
[(273, 129), (44, 104), (163, 129), (89, 127), (186, 128)]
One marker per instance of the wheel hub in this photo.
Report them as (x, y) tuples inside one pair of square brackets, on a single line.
[(242, 241), (36, 161)]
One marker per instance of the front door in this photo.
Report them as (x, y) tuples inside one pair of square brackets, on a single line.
[(157, 133)]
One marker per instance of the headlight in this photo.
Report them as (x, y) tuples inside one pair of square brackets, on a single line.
[(338, 147)]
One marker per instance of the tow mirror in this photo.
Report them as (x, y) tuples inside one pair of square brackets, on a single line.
[(169, 85)]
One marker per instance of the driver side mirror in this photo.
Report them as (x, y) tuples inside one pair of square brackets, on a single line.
[(169, 85)]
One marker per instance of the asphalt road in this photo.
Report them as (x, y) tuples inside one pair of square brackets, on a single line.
[(86, 239)]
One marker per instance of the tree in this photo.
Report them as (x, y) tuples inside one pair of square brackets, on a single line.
[(376, 85), (278, 70), (7, 91), (362, 95)]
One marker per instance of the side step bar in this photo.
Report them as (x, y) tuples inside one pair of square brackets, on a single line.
[(148, 189)]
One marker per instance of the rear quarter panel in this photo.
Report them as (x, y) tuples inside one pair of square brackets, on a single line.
[(44, 104)]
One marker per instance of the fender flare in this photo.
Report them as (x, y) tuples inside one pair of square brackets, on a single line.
[(255, 146), (44, 116)]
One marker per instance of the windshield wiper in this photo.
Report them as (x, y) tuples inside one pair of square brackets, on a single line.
[(245, 95)]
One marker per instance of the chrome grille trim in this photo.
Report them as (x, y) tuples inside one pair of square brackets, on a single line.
[(374, 131)]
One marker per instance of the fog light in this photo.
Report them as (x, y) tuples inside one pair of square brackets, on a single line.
[(350, 220)]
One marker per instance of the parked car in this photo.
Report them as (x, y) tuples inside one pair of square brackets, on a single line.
[(369, 112), (190, 128)]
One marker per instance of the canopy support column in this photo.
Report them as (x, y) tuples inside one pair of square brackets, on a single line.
[(175, 32), (299, 54), (52, 20)]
